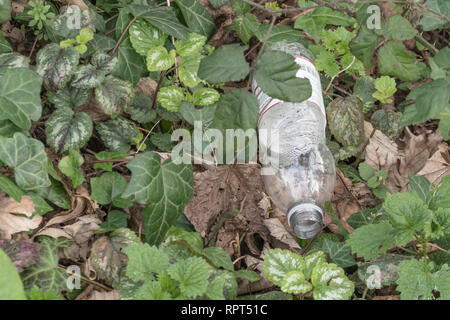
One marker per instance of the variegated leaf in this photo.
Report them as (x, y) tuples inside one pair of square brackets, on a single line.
[(144, 36), (141, 109), (158, 59), (69, 97), (114, 95), (88, 77), (295, 282), (188, 68), (278, 263), (104, 62), (170, 97), (311, 260), (12, 60), (191, 46), (331, 283), (205, 96), (117, 134)]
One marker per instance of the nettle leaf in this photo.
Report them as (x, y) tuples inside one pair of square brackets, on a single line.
[(371, 240), (192, 275), (395, 60), (12, 60), (295, 282), (432, 20), (69, 97), (163, 18), (158, 59), (363, 46), (191, 46), (278, 263), (170, 97), (246, 26), (191, 113), (140, 109), (325, 62), (340, 253), (227, 63), (144, 261), (415, 280), (430, 99), (108, 188), (279, 33), (66, 129), (331, 283), (165, 188), (11, 287), (205, 96), (312, 260), (197, 18), (20, 99), (113, 95), (276, 75), (144, 36), (130, 65), (56, 65), (117, 134), (399, 28), (28, 158), (407, 213), (439, 226), (346, 121), (188, 69), (221, 259), (69, 166)]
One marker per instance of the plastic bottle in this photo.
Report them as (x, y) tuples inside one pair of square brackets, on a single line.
[(302, 174)]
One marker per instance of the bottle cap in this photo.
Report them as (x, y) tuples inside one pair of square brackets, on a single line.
[(305, 220)]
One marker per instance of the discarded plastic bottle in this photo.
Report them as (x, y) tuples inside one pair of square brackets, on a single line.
[(298, 168)]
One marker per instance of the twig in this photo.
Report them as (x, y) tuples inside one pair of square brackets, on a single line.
[(34, 46), (334, 77), (310, 242), (146, 137), (88, 280), (121, 36), (111, 18), (423, 41), (161, 78)]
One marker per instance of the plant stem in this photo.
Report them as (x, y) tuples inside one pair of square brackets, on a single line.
[(122, 36)]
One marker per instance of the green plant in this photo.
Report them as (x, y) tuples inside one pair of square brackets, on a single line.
[(385, 89), (40, 17), (80, 41), (374, 179)]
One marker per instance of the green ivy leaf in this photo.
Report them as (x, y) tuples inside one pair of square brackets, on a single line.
[(56, 65), (144, 261), (331, 283), (66, 129), (104, 155), (117, 134), (205, 96), (144, 36), (131, 65), (278, 263), (10, 188), (108, 188), (69, 97), (12, 60), (28, 158), (192, 274), (295, 282), (399, 28), (197, 18), (276, 75), (246, 26), (371, 240), (340, 253), (191, 46), (69, 166), (4, 45), (11, 287), (395, 60), (165, 188), (191, 113), (114, 95), (170, 97), (140, 109), (227, 63)]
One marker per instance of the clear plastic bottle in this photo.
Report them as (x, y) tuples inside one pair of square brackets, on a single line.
[(301, 173)]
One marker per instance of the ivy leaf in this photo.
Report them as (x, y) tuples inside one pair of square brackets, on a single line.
[(415, 280), (278, 263), (165, 188), (395, 60), (205, 96), (10, 188), (28, 158), (163, 141), (12, 60), (371, 240), (114, 95), (170, 97), (399, 28), (11, 287), (69, 166), (69, 97), (346, 121), (191, 46), (430, 99), (276, 75), (66, 129), (331, 283), (5, 11), (192, 274), (144, 36), (312, 260), (117, 134), (56, 65), (340, 253), (227, 63), (430, 20), (144, 261), (140, 109), (108, 188), (158, 59), (20, 99), (365, 217), (130, 65), (245, 25), (4, 45), (188, 70), (295, 282), (407, 213), (422, 187), (197, 18), (191, 113)]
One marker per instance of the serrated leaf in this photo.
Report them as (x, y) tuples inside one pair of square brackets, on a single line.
[(192, 240), (197, 18), (66, 129), (114, 95), (440, 197), (90, 76), (108, 188), (363, 46), (325, 62), (144, 36), (442, 282), (11, 287), (188, 70), (276, 75), (395, 60), (117, 134), (227, 63), (331, 283), (165, 188), (312, 260), (151, 290), (20, 99), (439, 226), (294, 282), (278, 263), (205, 96), (399, 28), (215, 288), (170, 97), (140, 109), (191, 46), (191, 113), (130, 65), (69, 97), (365, 217), (12, 60), (363, 89), (144, 261), (158, 59), (246, 26), (371, 240), (69, 166), (219, 257), (192, 274), (432, 21), (28, 158), (346, 120), (415, 280), (56, 65), (340, 253)]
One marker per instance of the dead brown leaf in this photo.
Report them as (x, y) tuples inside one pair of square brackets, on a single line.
[(279, 232), (438, 165)]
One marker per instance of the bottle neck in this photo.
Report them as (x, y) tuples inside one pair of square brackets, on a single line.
[(305, 219)]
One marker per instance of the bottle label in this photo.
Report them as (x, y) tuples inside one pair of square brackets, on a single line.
[(307, 70)]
